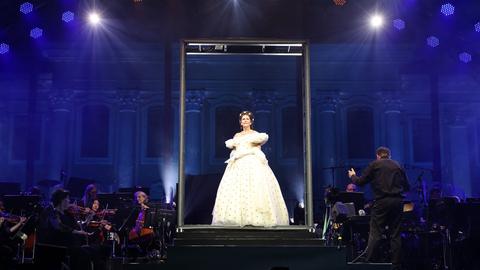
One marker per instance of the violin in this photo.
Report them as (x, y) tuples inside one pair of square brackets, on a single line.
[(106, 212), (10, 218), (75, 209)]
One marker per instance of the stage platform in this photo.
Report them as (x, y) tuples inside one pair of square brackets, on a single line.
[(252, 249)]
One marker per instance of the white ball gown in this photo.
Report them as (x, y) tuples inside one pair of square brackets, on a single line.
[(249, 193)]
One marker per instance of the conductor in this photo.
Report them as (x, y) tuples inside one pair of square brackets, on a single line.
[(388, 182)]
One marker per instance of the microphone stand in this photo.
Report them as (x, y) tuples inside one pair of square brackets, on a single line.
[(328, 206)]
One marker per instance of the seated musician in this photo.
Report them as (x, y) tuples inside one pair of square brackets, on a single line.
[(139, 234), (58, 229), (351, 188), (9, 226), (96, 222), (89, 196)]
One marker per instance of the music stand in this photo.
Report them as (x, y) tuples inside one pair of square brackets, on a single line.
[(132, 190), (115, 200), (19, 203), (77, 186), (9, 188), (356, 198), (159, 218)]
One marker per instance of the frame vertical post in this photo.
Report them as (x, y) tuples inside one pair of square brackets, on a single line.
[(181, 162)]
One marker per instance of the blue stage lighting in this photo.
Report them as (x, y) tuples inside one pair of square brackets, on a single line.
[(36, 32), (68, 16), (433, 41), (477, 27), (399, 24), (4, 48), (447, 9), (26, 8), (465, 57)]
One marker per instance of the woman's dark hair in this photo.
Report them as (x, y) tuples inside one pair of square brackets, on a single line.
[(87, 197), (58, 196), (248, 113)]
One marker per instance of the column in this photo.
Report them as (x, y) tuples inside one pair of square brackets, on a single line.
[(327, 143), (393, 128), (127, 107), (263, 106), (3, 141), (193, 135), (61, 107), (458, 149)]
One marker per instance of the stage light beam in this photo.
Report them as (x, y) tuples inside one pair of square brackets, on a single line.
[(4, 48), (465, 57), (26, 8), (36, 32), (376, 21), (68, 16), (399, 24), (447, 9), (339, 2), (94, 18), (433, 41)]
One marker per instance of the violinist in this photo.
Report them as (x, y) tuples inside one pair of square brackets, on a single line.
[(58, 228), (7, 245), (89, 195), (96, 222)]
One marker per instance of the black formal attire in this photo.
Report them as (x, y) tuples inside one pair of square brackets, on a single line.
[(55, 234), (388, 182), (7, 251)]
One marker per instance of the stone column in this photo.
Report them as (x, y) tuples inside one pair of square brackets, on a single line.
[(263, 106), (61, 106), (127, 109), (193, 135), (458, 151), (3, 141), (327, 142), (393, 128)]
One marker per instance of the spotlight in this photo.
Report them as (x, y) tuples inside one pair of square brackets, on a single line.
[(376, 21), (477, 27), (299, 214), (339, 2), (399, 24), (94, 18), (465, 57), (68, 16), (447, 9), (36, 32), (4, 48), (433, 41), (26, 8)]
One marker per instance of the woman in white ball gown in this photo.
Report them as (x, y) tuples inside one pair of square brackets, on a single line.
[(249, 193)]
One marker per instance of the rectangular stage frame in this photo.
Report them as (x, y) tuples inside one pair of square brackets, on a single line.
[(295, 48)]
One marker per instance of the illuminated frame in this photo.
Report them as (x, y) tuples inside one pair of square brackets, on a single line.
[(293, 48)]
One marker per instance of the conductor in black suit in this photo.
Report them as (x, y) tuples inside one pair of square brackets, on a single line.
[(388, 182)]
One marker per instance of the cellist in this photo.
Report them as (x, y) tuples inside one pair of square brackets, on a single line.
[(140, 234)]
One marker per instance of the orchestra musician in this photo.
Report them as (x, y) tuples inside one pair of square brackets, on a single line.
[(96, 222), (89, 195), (59, 227), (140, 234), (9, 226)]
